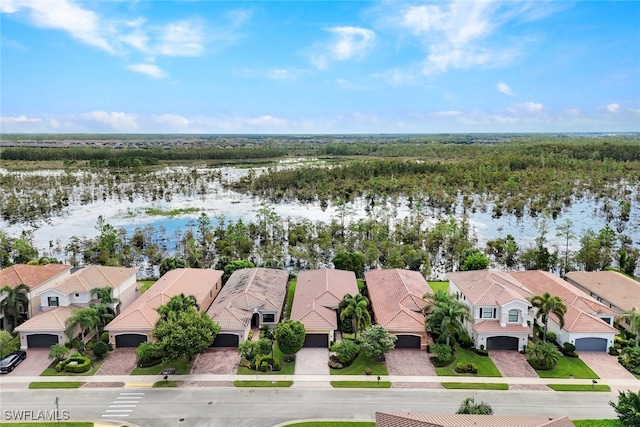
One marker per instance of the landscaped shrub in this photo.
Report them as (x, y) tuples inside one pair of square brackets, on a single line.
[(100, 349), (630, 359), (347, 351), (367, 371), (148, 354), (443, 354), (466, 368), (74, 364), (613, 351), (543, 355), (481, 351), (551, 336), (334, 363), (569, 350), (104, 337), (464, 340)]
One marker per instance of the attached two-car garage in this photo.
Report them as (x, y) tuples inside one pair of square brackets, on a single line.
[(129, 340), (591, 344), (226, 340), (316, 340), (408, 341), (502, 343)]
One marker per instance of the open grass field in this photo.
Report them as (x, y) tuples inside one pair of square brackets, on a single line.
[(569, 367), (486, 367)]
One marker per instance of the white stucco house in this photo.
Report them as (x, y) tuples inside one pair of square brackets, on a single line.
[(502, 314)]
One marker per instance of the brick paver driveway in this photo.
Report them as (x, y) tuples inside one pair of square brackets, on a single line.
[(604, 365), (121, 361), (511, 363), (217, 361), (312, 361), (408, 362), (37, 361)]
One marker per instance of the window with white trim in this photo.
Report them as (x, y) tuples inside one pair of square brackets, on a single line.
[(486, 313), (268, 317), (514, 315), (53, 301)]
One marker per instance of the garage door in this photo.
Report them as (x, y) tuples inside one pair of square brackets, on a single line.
[(316, 340), (502, 343), (408, 341), (591, 344), (41, 340), (226, 340), (129, 340)]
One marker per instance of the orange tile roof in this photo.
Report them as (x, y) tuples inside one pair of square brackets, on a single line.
[(581, 308), (317, 295), (397, 298), (246, 291), (52, 320), (486, 326), (31, 275), (404, 419), (622, 291), (142, 315), (489, 287), (95, 276)]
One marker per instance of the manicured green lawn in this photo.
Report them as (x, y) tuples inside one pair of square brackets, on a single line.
[(476, 386), (51, 372), (361, 384), (597, 423), (146, 284), (437, 286), (358, 366), (262, 383), (286, 368), (163, 383), (579, 387), (569, 367), (485, 365), (333, 423), (57, 384), (183, 367)]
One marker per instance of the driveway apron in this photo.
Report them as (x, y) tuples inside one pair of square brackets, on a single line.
[(37, 361), (604, 365), (410, 362)]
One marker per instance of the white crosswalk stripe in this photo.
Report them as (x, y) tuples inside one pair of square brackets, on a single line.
[(123, 400)]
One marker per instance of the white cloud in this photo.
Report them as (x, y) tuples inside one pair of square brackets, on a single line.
[(527, 107), (172, 120), (504, 88), (181, 39), (265, 120), (19, 119), (612, 108), (117, 121), (397, 77), (347, 43), (285, 73), (150, 70)]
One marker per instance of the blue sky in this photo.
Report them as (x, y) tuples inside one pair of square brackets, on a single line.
[(319, 67)]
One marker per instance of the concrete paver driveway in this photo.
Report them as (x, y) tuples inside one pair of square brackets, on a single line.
[(409, 362), (312, 361), (604, 365), (37, 361), (121, 361), (511, 363), (217, 361)]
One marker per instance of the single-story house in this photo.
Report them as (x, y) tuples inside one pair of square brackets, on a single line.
[(135, 323), (397, 301), (621, 293), (315, 303), (499, 305), (57, 303), (588, 323), (39, 278), (252, 297), (413, 419)]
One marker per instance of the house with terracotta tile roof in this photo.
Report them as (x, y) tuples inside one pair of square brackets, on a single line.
[(588, 323), (135, 323), (39, 278), (503, 316), (397, 301), (315, 303), (57, 303), (621, 293), (413, 419), (251, 298)]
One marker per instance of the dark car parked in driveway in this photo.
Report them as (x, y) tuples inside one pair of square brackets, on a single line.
[(11, 361)]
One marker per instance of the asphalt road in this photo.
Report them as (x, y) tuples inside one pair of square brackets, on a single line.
[(230, 407)]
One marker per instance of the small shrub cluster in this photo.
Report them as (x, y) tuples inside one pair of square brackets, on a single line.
[(100, 349), (630, 359), (551, 337), (75, 364), (444, 355), (334, 363), (482, 352), (569, 350), (346, 352), (466, 368), (613, 351), (265, 363)]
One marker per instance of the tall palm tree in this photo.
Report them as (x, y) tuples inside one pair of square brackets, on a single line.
[(15, 303), (82, 319), (176, 304), (105, 296), (448, 316), (547, 304), (355, 307), (633, 318)]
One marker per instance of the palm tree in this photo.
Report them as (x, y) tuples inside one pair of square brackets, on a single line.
[(549, 304), (105, 296), (83, 319), (355, 307), (446, 315), (543, 355), (176, 304), (469, 406), (15, 303), (632, 317)]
